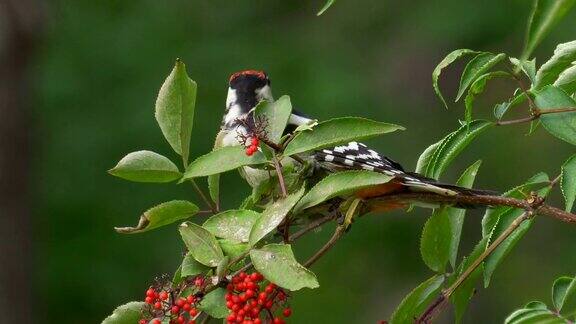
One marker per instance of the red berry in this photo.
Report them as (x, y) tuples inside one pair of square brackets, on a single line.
[(199, 281), (156, 321), (236, 307), (255, 141), (163, 295), (175, 309), (180, 302), (191, 322), (287, 312), (255, 311), (158, 305), (229, 304), (268, 304), (150, 292), (270, 288), (249, 151), (181, 319), (250, 293), (231, 317), (257, 321), (277, 320), (191, 299), (149, 300), (193, 312), (242, 275), (186, 307), (281, 295), (254, 276), (143, 321), (262, 296)]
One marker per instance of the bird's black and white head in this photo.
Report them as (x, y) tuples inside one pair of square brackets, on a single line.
[(246, 90)]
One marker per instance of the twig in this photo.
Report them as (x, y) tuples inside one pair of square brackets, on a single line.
[(203, 196), (536, 113), (480, 200), (279, 149), (340, 230), (279, 173), (436, 306)]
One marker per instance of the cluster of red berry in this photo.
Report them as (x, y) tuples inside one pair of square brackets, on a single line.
[(253, 147), (249, 297), (162, 303)]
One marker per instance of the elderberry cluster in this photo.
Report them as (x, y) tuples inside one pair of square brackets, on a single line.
[(253, 147), (251, 300), (164, 302)]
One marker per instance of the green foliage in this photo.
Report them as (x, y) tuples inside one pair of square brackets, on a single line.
[(449, 59), (129, 313), (175, 109), (211, 163), (549, 72), (417, 300), (435, 159), (201, 244), (214, 303), (545, 15), (441, 233), (568, 182), (232, 224), (327, 5), (561, 125), (278, 264), (163, 214), (273, 216), (146, 166), (191, 267), (276, 114), (338, 184), (477, 67), (337, 131), (477, 88)]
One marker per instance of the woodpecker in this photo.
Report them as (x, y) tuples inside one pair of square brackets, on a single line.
[(248, 88)]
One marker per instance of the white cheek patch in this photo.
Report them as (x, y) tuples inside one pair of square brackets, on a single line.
[(234, 112), (231, 98), (264, 93)]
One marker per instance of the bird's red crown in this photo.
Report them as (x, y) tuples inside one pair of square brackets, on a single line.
[(256, 73)]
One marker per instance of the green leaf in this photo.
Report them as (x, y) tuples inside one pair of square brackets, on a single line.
[(233, 249), (560, 125), (160, 215), (191, 267), (564, 295), (475, 68), (201, 244), (545, 15), (340, 183), (146, 166), (175, 109), (214, 187), (533, 316), (426, 157), (441, 234), (212, 163), (417, 300), (492, 215), (504, 221), (461, 296), (456, 215), (129, 313), (278, 264), (214, 303), (276, 114), (528, 67), (435, 241), (449, 59), (452, 145), (502, 108), (567, 80), (568, 182), (477, 88), (232, 224), (337, 131), (327, 5), (273, 215), (564, 56)]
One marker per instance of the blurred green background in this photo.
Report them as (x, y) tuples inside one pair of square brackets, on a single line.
[(94, 73)]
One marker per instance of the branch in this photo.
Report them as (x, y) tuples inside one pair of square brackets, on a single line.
[(536, 113), (484, 200), (280, 176), (435, 307)]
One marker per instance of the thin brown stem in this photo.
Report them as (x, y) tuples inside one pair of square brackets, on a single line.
[(203, 197), (326, 247), (536, 113), (280, 176), (280, 149)]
